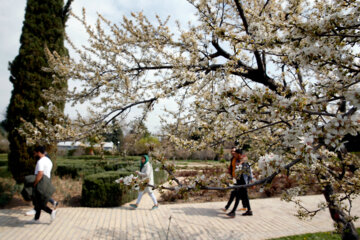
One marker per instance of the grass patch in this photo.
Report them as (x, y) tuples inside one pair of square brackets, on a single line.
[(4, 172), (3, 159), (315, 236)]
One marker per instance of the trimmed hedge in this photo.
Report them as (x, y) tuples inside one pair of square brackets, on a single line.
[(80, 169), (4, 172), (77, 169), (3, 159), (100, 190), (84, 165), (116, 166)]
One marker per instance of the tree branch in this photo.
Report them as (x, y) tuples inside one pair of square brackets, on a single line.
[(66, 11), (253, 130), (319, 113), (262, 10), (262, 181), (242, 15)]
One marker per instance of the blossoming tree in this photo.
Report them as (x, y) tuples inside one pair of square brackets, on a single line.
[(282, 76)]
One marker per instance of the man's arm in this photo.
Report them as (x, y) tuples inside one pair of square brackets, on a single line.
[(39, 176)]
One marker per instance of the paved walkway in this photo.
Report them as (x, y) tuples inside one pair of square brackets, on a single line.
[(272, 218)]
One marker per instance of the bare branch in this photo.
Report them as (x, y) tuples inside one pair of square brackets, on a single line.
[(262, 10), (262, 181), (242, 15)]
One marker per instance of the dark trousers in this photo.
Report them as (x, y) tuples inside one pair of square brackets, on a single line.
[(239, 193), (233, 195), (40, 204), (231, 199)]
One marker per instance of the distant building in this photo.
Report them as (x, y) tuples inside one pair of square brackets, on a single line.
[(107, 146), (69, 145)]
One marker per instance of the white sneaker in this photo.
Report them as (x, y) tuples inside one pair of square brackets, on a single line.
[(53, 215), (30, 213)]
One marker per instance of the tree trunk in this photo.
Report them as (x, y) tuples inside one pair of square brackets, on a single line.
[(347, 228)]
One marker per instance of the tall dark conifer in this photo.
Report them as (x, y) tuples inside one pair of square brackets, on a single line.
[(44, 25)]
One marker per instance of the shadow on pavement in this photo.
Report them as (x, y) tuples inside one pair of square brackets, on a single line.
[(10, 221), (208, 212)]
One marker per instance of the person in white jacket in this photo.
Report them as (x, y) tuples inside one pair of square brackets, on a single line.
[(146, 172)]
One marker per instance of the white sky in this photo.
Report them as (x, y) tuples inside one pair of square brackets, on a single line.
[(12, 17)]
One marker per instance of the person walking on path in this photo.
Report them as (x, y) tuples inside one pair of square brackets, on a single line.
[(51, 200), (146, 172), (43, 168), (244, 177), (232, 168)]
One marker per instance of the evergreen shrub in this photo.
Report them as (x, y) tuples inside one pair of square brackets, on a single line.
[(5, 193), (100, 190), (115, 166), (77, 169), (3, 160), (44, 25), (81, 167)]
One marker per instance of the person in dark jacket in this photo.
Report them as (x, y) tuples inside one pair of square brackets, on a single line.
[(243, 177), (231, 169), (51, 200), (44, 188), (43, 168)]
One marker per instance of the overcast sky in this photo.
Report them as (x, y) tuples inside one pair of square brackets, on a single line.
[(12, 17)]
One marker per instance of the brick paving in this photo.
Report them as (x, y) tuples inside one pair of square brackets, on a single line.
[(272, 218)]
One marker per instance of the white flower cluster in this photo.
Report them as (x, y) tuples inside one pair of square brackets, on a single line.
[(269, 163), (126, 180), (238, 168)]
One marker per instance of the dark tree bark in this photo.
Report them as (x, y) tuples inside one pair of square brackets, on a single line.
[(347, 228)]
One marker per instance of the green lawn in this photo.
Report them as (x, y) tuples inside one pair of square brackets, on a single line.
[(314, 236), (3, 157), (4, 173)]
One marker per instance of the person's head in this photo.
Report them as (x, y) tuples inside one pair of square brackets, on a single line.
[(144, 160), (39, 151), (238, 153), (233, 151)]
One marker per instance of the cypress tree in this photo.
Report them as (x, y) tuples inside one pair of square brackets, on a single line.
[(44, 25)]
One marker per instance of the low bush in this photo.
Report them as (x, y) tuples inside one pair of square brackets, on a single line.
[(3, 160), (100, 190), (4, 172), (8, 188), (5, 193), (77, 169), (81, 167), (116, 166)]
